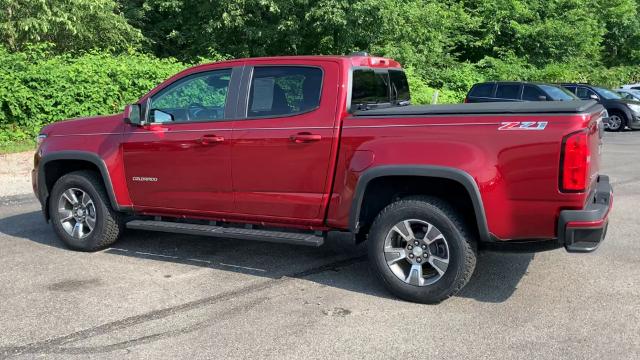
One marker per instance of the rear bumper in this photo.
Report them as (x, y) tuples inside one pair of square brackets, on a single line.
[(584, 230)]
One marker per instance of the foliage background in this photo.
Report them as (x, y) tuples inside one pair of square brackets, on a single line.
[(66, 58)]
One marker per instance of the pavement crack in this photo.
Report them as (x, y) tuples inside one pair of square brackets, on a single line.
[(56, 344), (85, 350)]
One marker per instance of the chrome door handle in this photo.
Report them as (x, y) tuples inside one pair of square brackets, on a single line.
[(210, 139), (305, 137)]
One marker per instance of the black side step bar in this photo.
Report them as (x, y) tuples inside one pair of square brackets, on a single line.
[(228, 232)]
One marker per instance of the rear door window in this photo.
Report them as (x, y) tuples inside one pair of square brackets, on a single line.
[(284, 90), (482, 90), (508, 91)]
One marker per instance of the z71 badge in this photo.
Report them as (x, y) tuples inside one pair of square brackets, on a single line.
[(524, 125)]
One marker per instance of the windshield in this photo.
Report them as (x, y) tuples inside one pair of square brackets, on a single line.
[(558, 93), (607, 94)]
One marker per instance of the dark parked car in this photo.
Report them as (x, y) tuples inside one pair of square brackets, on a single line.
[(499, 91), (622, 112)]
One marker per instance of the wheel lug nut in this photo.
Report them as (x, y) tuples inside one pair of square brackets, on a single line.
[(409, 247), (424, 247), (418, 260), (416, 243), (411, 256)]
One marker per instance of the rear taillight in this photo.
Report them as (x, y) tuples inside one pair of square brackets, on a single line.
[(574, 175)]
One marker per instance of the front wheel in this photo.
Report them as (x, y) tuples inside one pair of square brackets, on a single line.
[(421, 250), (81, 213)]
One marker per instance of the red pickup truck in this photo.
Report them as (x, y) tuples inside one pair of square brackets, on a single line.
[(304, 149)]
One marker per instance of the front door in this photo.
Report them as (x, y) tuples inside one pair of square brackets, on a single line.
[(284, 145), (181, 160)]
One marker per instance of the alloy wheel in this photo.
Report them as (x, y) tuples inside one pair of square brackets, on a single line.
[(615, 122), (77, 213), (416, 252)]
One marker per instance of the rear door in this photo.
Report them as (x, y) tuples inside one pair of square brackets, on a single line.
[(284, 144)]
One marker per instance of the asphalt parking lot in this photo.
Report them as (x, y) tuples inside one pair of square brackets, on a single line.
[(166, 296)]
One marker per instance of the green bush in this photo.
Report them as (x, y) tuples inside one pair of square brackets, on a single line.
[(38, 88), (422, 93)]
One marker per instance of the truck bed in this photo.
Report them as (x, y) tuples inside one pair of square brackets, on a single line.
[(532, 107)]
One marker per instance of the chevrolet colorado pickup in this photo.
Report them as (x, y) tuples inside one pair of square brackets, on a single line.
[(305, 149)]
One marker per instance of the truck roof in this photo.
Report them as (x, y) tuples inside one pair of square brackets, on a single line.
[(353, 60)]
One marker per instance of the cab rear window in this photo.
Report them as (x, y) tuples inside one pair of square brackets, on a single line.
[(378, 88)]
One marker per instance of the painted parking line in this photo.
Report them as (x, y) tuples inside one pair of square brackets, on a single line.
[(199, 260), (243, 267), (158, 255)]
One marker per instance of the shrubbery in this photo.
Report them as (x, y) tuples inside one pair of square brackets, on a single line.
[(37, 88), (446, 45)]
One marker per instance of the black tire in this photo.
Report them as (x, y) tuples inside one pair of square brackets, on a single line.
[(109, 223), (623, 121), (461, 248)]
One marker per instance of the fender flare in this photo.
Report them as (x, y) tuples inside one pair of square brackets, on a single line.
[(442, 172), (43, 192)]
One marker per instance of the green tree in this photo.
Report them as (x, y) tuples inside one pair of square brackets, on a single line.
[(621, 21), (71, 25), (539, 31), (188, 28)]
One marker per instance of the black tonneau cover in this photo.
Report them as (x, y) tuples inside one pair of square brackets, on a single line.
[(525, 107)]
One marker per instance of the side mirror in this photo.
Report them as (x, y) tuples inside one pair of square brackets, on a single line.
[(594, 97), (161, 117), (132, 114), (542, 98)]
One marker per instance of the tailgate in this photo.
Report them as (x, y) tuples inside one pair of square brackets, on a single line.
[(596, 133)]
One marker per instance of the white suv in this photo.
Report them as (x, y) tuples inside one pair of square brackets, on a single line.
[(631, 87)]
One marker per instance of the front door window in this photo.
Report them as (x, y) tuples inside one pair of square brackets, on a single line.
[(199, 97)]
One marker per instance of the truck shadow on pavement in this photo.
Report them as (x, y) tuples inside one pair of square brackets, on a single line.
[(495, 280)]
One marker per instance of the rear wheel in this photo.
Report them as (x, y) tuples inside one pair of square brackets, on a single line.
[(616, 122), (81, 213), (421, 250)]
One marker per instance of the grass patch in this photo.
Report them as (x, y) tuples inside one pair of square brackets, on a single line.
[(17, 146)]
